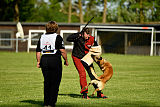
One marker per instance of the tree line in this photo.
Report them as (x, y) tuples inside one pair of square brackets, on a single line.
[(80, 11)]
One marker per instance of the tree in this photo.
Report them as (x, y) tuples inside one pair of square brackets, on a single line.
[(104, 11), (156, 13), (16, 15), (69, 11), (80, 11), (26, 9), (141, 11), (46, 11), (7, 10), (91, 9), (16, 10), (122, 11)]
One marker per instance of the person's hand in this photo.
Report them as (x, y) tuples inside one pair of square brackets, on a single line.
[(80, 33), (66, 63), (38, 64)]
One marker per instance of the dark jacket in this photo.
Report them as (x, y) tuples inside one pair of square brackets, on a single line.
[(81, 46)]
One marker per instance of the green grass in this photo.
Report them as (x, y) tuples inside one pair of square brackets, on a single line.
[(135, 82)]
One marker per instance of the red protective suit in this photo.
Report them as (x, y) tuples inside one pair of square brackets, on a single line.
[(80, 49)]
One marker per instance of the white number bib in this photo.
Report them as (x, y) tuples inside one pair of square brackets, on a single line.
[(47, 43)]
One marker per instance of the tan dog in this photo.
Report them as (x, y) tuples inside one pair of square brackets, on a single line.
[(107, 69)]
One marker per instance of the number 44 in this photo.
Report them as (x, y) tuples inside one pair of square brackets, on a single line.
[(47, 47)]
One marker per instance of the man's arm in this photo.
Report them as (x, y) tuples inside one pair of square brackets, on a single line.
[(73, 37), (64, 55)]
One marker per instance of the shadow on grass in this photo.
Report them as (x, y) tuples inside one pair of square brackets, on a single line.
[(38, 104), (33, 102), (77, 95), (25, 103), (72, 95), (114, 103), (111, 102)]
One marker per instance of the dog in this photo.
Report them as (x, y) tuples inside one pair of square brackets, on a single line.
[(107, 69)]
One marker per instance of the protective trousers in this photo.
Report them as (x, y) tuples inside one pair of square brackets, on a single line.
[(52, 72), (81, 66)]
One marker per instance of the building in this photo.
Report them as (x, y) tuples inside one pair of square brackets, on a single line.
[(143, 39)]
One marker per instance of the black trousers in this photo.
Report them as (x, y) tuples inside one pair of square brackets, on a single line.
[(92, 77), (51, 66)]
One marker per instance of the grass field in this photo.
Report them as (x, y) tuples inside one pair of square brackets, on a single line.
[(135, 82)]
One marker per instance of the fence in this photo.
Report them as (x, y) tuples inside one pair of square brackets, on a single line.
[(114, 39), (127, 39)]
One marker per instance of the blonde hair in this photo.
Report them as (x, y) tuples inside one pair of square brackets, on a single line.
[(51, 27)]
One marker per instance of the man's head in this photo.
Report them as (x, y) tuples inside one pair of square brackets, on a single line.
[(86, 33), (51, 27)]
